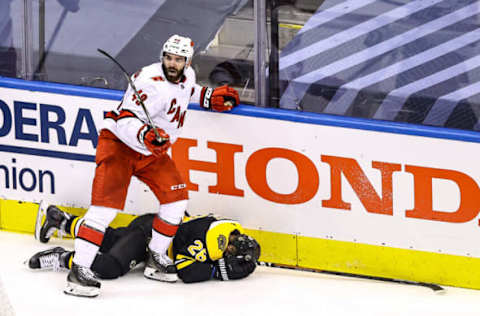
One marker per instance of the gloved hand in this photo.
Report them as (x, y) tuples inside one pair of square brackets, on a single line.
[(233, 268), (220, 99), (147, 136)]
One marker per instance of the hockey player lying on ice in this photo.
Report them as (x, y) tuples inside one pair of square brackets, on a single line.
[(204, 247)]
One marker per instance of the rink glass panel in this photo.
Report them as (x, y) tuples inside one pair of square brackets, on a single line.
[(403, 61)]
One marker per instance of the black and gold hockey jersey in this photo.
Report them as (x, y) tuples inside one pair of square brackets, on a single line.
[(199, 242)]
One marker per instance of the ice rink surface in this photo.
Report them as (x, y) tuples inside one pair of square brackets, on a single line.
[(268, 291)]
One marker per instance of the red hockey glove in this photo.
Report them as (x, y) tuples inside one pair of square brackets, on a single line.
[(219, 99), (146, 135)]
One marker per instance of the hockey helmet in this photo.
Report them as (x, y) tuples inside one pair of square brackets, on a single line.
[(246, 246), (179, 45)]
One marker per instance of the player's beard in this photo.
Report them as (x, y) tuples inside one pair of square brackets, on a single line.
[(173, 78)]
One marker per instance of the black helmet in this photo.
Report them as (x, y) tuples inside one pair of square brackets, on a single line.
[(246, 246)]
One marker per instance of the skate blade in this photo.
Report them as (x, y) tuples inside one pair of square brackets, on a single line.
[(41, 214), (153, 274), (82, 291)]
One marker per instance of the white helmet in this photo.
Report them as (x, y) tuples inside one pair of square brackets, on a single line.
[(179, 45)]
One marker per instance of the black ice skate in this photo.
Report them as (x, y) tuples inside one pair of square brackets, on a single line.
[(82, 282), (160, 267), (50, 259), (49, 219)]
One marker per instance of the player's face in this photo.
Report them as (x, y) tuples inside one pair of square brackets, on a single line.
[(173, 66)]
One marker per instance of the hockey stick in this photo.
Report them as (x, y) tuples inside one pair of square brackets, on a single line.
[(159, 138), (434, 287)]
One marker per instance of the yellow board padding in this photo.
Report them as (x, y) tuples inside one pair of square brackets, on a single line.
[(381, 261), (275, 247), (18, 216), (309, 252)]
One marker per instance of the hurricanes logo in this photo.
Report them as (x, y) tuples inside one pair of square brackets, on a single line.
[(133, 263), (222, 242)]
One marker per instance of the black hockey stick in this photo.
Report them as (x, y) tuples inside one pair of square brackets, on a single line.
[(159, 138), (434, 287)]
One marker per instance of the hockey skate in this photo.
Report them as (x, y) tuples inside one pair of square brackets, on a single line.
[(49, 219), (160, 267), (82, 282), (50, 259)]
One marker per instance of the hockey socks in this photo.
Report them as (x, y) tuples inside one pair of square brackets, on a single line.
[(90, 234), (162, 235), (87, 244), (73, 225), (165, 225)]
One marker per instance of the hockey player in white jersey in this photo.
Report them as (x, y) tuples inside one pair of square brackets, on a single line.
[(128, 146)]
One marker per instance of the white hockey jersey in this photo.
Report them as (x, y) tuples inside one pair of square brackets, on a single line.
[(165, 101)]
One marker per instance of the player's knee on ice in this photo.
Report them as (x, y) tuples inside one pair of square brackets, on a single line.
[(125, 253), (107, 267)]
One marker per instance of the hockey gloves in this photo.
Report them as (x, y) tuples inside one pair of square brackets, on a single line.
[(219, 99), (233, 268), (146, 135)]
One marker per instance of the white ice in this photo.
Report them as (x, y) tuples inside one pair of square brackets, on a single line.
[(268, 291)]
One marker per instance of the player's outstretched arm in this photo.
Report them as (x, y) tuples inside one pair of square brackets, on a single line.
[(219, 99)]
